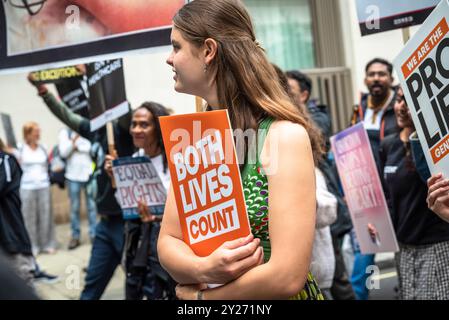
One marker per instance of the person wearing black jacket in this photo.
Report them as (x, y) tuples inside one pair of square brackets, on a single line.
[(423, 237), (145, 277), (109, 234), (14, 239), (376, 108)]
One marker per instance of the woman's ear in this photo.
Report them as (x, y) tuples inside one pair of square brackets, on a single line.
[(210, 50)]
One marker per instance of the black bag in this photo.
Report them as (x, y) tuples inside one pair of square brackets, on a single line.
[(56, 167)]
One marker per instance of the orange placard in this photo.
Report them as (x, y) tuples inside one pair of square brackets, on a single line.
[(425, 48), (205, 178)]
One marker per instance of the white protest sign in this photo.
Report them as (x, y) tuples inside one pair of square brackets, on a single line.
[(423, 70)]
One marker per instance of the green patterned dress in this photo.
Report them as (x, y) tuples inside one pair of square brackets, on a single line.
[(255, 188)]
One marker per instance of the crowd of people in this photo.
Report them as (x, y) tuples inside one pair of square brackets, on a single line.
[(295, 248)]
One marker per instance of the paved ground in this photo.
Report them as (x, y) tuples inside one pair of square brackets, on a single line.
[(68, 265)]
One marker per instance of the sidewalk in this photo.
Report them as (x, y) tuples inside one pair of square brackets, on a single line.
[(68, 265)]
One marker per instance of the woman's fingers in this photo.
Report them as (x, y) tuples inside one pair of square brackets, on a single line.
[(442, 184), (436, 195), (244, 251), (233, 244), (437, 185), (243, 265), (434, 178)]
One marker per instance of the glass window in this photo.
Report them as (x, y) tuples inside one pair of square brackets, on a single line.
[(284, 29)]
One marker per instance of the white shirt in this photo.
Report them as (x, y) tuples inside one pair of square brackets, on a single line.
[(373, 123), (158, 163), (79, 163), (34, 166)]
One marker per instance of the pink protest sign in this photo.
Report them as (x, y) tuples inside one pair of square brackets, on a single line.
[(363, 190)]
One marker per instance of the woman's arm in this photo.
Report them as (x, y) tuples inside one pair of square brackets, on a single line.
[(292, 205), (226, 263)]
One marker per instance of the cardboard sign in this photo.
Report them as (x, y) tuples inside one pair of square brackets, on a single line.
[(423, 71), (363, 190), (205, 178), (57, 75), (137, 180), (8, 130), (107, 94), (383, 15)]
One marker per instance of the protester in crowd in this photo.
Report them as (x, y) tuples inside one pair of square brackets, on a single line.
[(423, 237), (78, 173), (301, 89), (108, 243), (14, 240), (145, 278), (376, 111), (213, 45), (35, 190), (376, 108)]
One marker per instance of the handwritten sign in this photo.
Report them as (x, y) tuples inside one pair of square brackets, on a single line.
[(363, 190), (137, 180)]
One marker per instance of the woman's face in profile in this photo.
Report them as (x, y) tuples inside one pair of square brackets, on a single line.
[(403, 116), (187, 65)]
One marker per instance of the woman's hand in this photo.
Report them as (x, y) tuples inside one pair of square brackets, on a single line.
[(438, 195), (145, 213), (189, 291), (41, 88), (108, 165), (232, 259)]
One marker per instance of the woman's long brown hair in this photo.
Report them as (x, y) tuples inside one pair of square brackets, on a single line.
[(247, 83)]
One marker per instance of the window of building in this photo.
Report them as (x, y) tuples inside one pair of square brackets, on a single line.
[(284, 29)]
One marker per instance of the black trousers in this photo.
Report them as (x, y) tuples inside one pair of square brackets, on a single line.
[(145, 277)]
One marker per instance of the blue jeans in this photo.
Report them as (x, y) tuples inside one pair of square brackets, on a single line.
[(359, 273), (105, 256), (74, 194)]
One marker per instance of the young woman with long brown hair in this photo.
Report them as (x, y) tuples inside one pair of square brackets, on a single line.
[(216, 56)]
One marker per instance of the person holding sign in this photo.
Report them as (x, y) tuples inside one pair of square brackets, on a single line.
[(107, 247), (216, 56), (423, 237), (144, 275)]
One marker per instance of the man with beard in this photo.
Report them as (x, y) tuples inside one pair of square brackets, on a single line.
[(376, 108), (376, 111)]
